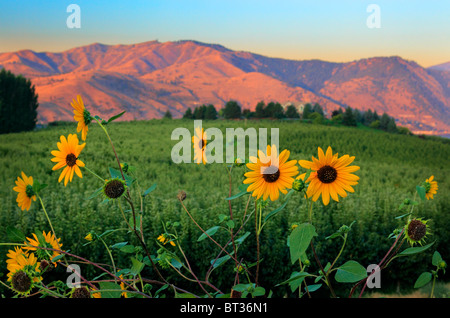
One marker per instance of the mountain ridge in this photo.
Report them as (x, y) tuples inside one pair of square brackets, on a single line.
[(149, 78)]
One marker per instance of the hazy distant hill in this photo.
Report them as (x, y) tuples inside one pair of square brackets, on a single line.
[(147, 79)]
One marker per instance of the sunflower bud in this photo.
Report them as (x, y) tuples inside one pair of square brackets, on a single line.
[(298, 185), (181, 195), (442, 265), (238, 162)]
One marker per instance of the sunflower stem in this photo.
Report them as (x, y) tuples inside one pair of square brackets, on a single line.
[(50, 223), (93, 173), (110, 256)]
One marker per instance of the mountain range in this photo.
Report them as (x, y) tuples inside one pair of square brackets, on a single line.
[(147, 79)]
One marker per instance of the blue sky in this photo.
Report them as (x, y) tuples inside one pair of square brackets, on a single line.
[(327, 30)]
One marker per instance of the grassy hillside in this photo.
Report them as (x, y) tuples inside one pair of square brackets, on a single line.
[(391, 167)]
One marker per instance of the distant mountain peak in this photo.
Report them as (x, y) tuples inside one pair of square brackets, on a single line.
[(149, 78)]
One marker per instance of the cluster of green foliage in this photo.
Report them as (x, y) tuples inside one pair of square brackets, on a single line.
[(18, 103), (369, 118), (207, 112), (391, 166), (311, 113)]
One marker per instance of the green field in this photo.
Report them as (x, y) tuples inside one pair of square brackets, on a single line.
[(391, 167)]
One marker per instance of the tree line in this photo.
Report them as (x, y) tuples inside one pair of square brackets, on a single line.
[(18, 103), (310, 113)]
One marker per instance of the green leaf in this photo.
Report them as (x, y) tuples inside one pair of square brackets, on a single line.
[(95, 193), (403, 215), (115, 117), (37, 186), (106, 233), (210, 232), (239, 194), (421, 191), (258, 291), (116, 174), (241, 287), (313, 288), (220, 261), (176, 263), (415, 250), (15, 235), (436, 259), (127, 249), (153, 187), (230, 224), (423, 279), (110, 290), (300, 239), (119, 245), (137, 266), (164, 287), (295, 277), (56, 258), (241, 239), (350, 272), (274, 212)]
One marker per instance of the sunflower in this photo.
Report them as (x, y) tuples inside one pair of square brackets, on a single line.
[(330, 176), (416, 231), (13, 255), (199, 145), (49, 241), (164, 238), (270, 173), (431, 187), (81, 115), (24, 273), (24, 187), (123, 288), (67, 156)]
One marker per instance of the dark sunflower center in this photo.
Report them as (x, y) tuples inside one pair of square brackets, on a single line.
[(29, 191), (81, 292), (114, 189), (271, 174), (417, 230), (327, 174), (202, 143), (71, 160), (21, 282)]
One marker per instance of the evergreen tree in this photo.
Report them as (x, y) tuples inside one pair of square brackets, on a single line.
[(210, 112), (260, 110), (199, 112), (188, 114), (232, 110), (368, 117), (384, 121), (18, 103), (318, 109), (348, 118), (392, 127), (291, 112), (336, 112), (274, 110), (307, 110), (167, 115)]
